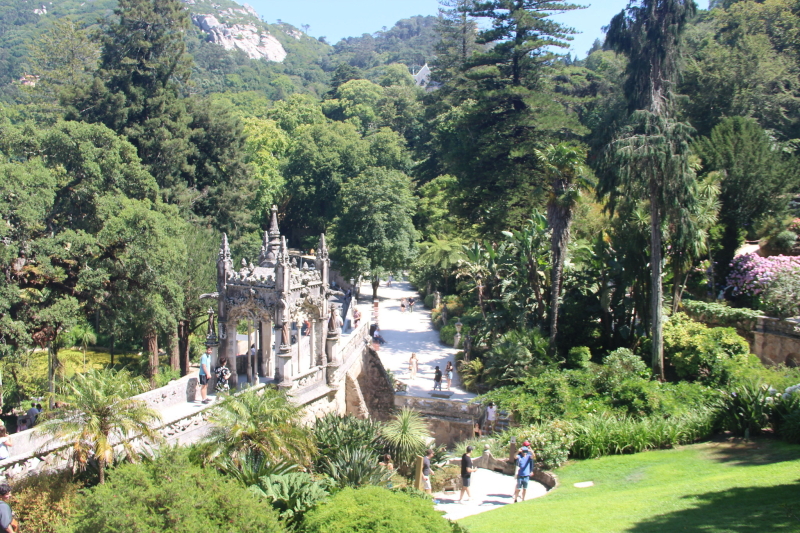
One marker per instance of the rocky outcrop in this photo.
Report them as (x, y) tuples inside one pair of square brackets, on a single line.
[(246, 37)]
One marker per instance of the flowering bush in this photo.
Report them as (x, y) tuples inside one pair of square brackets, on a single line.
[(751, 274), (794, 226)]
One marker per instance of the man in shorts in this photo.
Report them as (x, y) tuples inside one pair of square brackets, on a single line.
[(426, 470), (524, 464), (205, 372), (466, 474)]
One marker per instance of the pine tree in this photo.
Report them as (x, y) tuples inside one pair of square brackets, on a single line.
[(136, 91)]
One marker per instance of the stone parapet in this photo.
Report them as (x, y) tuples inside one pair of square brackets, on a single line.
[(777, 341)]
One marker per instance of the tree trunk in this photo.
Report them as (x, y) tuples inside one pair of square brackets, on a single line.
[(101, 468), (559, 218), (183, 346), (151, 345), (656, 291), (174, 356), (111, 354), (51, 372), (376, 281)]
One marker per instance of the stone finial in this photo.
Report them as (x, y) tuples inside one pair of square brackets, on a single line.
[(322, 248), (273, 225), (224, 249)]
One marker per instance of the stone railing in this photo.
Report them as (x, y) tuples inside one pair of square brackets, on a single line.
[(308, 378), (353, 347), (777, 341)]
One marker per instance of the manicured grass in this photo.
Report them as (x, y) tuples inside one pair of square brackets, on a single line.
[(710, 487)]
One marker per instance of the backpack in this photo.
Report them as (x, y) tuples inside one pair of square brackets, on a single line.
[(223, 375)]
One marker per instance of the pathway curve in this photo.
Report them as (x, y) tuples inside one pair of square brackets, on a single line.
[(407, 332)]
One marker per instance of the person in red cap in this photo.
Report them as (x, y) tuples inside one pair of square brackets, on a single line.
[(524, 464)]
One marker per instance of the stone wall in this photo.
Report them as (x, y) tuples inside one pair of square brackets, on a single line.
[(777, 341), (448, 421)]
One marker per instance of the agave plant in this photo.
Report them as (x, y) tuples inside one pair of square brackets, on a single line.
[(334, 433), (355, 467), (251, 466), (405, 437), (291, 494)]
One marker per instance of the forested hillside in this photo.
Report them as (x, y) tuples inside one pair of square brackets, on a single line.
[(527, 186)]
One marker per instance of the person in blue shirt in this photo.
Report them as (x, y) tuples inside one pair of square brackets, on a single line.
[(205, 372), (524, 463)]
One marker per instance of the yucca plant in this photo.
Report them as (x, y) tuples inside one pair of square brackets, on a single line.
[(334, 433), (292, 494), (404, 437)]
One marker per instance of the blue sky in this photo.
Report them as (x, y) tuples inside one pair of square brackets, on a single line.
[(336, 19)]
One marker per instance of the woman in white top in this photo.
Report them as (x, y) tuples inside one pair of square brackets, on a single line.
[(413, 365), (5, 442)]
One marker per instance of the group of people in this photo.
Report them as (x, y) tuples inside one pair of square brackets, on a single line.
[(413, 368), (407, 303), (29, 420), (525, 464)]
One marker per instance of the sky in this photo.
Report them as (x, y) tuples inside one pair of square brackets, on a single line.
[(336, 19)]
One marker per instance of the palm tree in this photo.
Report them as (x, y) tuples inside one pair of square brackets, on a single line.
[(475, 266), (651, 155), (565, 167), (100, 414), (84, 335), (443, 253), (264, 423)]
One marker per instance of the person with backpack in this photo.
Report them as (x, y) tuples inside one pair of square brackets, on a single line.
[(223, 375), (437, 379), (524, 462)]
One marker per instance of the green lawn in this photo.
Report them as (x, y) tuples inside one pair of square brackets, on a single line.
[(709, 487)]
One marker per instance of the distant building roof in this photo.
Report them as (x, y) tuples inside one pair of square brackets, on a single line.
[(423, 77)]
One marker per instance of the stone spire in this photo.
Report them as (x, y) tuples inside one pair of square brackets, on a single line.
[(322, 248), (224, 263), (274, 231)]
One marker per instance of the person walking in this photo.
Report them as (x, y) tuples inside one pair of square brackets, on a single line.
[(437, 379), (426, 471), (356, 317), (33, 414), (8, 524), (413, 366), (205, 366), (524, 462), (411, 305), (466, 474), (491, 417), (448, 374), (402, 305)]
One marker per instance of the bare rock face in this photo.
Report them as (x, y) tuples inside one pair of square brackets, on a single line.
[(247, 37)]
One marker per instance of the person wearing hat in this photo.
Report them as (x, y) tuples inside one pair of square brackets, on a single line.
[(524, 463)]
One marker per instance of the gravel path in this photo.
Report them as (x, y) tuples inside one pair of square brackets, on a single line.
[(407, 332)]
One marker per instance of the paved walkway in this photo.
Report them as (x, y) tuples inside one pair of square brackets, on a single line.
[(490, 490), (407, 332)]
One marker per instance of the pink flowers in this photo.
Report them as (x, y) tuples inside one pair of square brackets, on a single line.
[(751, 274)]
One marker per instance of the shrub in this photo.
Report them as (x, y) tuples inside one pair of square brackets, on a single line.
[(751, 274), (171, 494), (429, 301), (746, 408), (604, 434), (786, 413), (719, 314), (579, 357), (440, 477), (375, 510), (784, 240), (44, 502), (333, 434), (782, 297), (514, 355), (448, 333), (471, 373), (619, 365), (699, 352), (550, 441)]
